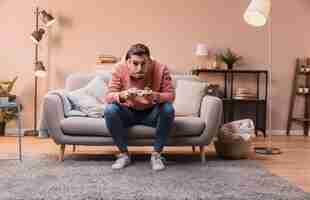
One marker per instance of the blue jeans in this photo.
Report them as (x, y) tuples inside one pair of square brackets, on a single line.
[(119, 118)]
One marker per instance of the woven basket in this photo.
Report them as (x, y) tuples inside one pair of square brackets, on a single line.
[(230, 144), (234, 149)]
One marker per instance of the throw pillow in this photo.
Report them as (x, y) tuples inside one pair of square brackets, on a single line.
[(189, 95), (89, 98)]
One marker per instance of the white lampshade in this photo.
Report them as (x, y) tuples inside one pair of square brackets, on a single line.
[(257, 12), (201, 50), (40, 73)]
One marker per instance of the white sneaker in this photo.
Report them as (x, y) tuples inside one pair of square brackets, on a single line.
[(157, 162), (122, 161)]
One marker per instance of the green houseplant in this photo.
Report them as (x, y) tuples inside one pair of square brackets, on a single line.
[(7, 115), (6, 88), (229, 58)]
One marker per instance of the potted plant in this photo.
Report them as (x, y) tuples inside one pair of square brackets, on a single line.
[(6, 115), (4, 95), (229, 58), (5, 90)]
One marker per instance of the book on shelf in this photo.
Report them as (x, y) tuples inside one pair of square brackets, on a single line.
[(245, 97), (244, 93), (101, 59)]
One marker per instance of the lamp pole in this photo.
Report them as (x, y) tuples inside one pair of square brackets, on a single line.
[(37, 12), (257, 15), (270, 76), (39, 70)]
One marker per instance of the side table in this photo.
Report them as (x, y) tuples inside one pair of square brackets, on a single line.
[(15, 104), (233, 105)]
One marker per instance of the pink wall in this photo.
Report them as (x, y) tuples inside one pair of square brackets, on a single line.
[(171, 28), (290, 40), (17, 52)]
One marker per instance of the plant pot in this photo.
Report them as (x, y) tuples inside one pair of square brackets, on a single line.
[(12, 97), (230, 66), (2, 128), (4, 100)]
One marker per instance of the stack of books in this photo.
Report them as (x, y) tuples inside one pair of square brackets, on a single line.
[(101, 59), (244, 93)]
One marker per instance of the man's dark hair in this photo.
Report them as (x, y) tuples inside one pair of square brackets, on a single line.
[(138, 50)]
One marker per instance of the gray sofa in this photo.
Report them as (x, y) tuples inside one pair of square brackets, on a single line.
[(188, 131)]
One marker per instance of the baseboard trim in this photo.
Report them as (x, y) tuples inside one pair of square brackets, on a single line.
[(283, 132), (14, 132)]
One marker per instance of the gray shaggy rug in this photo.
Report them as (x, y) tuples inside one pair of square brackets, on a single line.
[(90, 177)]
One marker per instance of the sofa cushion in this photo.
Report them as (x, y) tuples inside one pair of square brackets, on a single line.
[(85, 126), (78, 80), (189, 91), (177, 77), (88, 99)]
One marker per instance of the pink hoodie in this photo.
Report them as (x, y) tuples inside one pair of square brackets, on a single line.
[(157, 78)]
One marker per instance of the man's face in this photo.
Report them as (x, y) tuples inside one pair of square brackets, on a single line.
[(138, 66)]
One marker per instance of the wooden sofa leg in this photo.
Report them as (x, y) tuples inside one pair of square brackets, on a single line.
[(74, 148), (193, 148), (62, 152), (202, 154)]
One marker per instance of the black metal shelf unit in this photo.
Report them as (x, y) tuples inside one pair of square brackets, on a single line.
[(256, 107)]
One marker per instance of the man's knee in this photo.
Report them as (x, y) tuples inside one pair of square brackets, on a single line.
[(167, 110), (111, 110)]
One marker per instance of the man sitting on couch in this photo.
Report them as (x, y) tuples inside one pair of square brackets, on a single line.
[(140, 92)]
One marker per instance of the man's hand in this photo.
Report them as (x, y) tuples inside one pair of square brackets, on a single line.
[(127, 94), (142, 96), (144, 93), (148, 97)]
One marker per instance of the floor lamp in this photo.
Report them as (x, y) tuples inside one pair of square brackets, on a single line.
[(39, 68), (257, 15)]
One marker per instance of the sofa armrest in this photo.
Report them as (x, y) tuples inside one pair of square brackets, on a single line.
[(62, 93), (211, 112), (53, 114)]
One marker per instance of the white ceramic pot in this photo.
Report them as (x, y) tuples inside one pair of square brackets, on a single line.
[(4, 100)]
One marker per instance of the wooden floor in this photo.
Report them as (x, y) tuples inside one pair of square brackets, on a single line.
[(293, 164)]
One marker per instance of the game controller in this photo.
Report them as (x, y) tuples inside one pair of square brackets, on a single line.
[(141, 93)]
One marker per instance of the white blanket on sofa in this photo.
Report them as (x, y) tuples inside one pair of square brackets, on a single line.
[(70, 110)]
